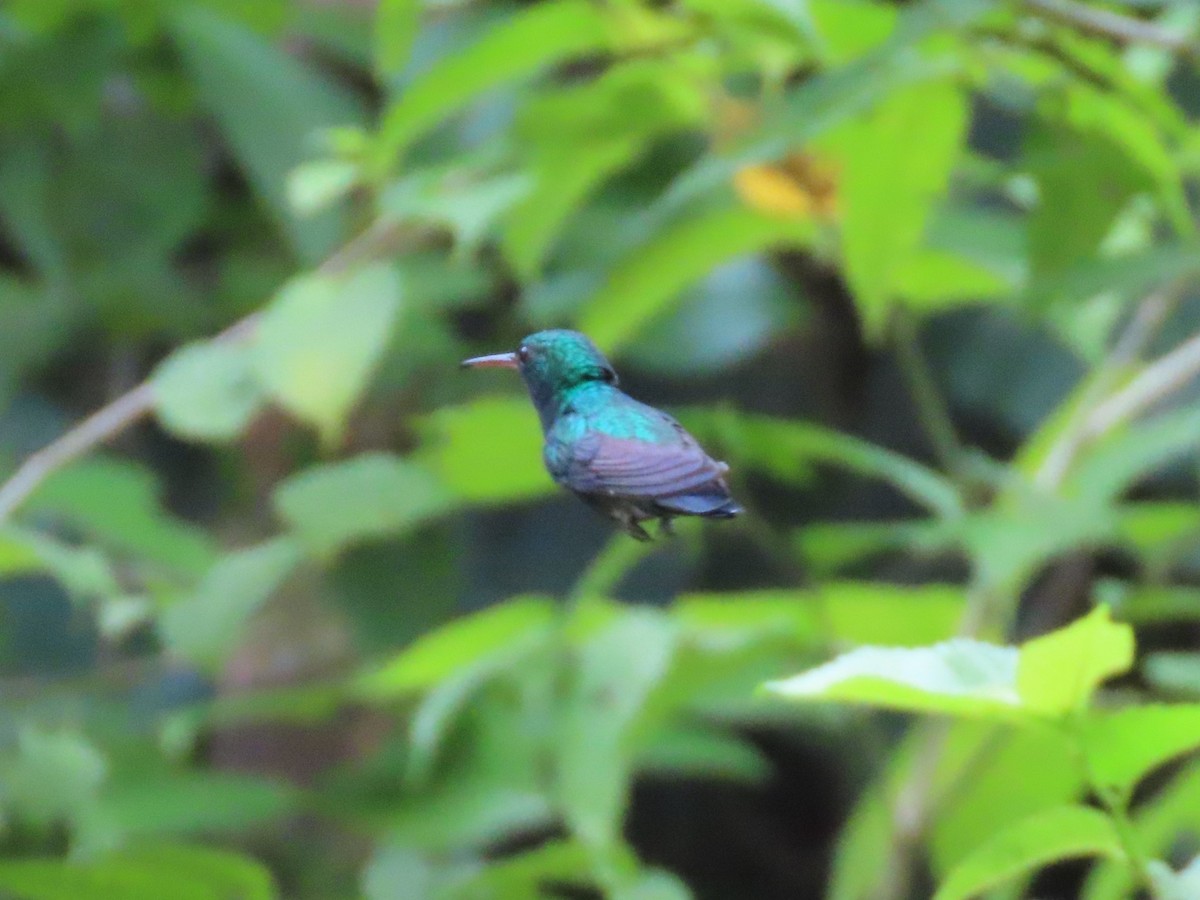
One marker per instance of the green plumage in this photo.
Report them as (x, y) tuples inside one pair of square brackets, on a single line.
[(629, 460)]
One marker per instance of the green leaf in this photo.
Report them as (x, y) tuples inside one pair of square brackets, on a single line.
[(205, 626), (787, 450), (644, 285), (396, 25), (1044, 837), (618, 668), (961, 677), (268, 105), (184, 872), (1060, 671), (178, 803), (501, 631), (207, 391), (118, 503), (1026, 770), (933, 280), (368, 496), (56, 776), (529, 40), (1114, 464), (321, 338), (315, 186), (897, 164), (1124, 746), (488, 450)]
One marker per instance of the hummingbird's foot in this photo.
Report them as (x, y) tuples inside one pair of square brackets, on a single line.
[(665, 527)]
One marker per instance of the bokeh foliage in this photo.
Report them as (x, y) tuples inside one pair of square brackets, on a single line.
[(923, 273)]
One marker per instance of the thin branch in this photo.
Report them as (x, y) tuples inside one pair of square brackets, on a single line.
[(1147, 319), (134, 405), (1111, 25), (931, 407), (1153, 384)]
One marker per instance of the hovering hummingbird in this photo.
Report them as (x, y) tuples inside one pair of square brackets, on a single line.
[(628, 460)]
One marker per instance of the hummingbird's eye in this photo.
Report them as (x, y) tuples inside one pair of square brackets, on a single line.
[(523, 353)]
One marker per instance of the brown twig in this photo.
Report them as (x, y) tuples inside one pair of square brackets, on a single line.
[(1114, 26)]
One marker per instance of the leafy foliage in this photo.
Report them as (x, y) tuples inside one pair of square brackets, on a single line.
[(921, 273)]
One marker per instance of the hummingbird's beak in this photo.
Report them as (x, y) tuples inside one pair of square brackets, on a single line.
[(495, 361)]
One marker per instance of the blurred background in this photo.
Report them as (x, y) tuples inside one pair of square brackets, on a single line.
[(298, 613)]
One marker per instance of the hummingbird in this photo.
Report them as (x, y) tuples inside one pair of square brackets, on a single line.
[(630, 461)]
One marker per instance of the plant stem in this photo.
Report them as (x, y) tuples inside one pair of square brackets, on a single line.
[(1107, 24), (931, 406), (615, 560)]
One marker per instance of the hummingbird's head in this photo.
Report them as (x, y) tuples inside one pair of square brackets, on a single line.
[(552, 363)]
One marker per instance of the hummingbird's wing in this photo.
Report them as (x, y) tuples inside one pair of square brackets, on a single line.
[(673, 470)]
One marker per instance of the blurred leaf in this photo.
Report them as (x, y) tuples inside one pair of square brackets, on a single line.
[(525, 874), (706, 334), (184, 872), (785, 449), (850, 28), (1124, 746), (617, 670), (653, 885), (321, 338), (315, 186), (644, 285), (1058, 672), (1158, 822), (487, 451), (998, 777), (396, 25), (205, 627), (55, 777), (118, 503), (1181, 885), (367, 496), (579, 135), (933, 280), (466, 200), (176, 803), (529, 40), (268, 105), (1123, 457), (696, 753), (1044, 837), (504, 631), (396, 871), (960, 676), (1072, 216), (887, 195), (1177, 673), (207, 391)]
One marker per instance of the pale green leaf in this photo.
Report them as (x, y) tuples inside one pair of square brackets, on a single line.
[(320, 339), (618, 667), (207, 391), (531, 39), (1045, 837), (368, 496), (960, 676), (500, 631), (1060, 671), (118, 503), (396, 25), (897, 165), (205, 626), (644, 285), (314, 186)]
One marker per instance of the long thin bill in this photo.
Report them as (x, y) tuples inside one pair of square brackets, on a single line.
[(495, 361)]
